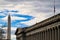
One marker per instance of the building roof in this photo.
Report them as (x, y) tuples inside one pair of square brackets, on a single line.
[(46, 22)]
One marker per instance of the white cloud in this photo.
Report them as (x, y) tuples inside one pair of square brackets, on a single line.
[(9, 5), (2, 14), (38, 18), (17, 18), (12, 28), (13, 18)]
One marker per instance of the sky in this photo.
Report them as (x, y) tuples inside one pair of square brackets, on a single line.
[(25, 13)]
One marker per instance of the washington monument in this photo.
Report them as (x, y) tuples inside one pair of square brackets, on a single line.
[(9, 28)]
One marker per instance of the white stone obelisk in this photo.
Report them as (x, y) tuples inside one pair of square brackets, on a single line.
[(9, 28)]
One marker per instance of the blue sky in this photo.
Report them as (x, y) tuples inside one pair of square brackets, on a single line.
[(25, 13)]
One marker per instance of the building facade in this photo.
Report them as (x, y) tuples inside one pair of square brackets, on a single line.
[(48, 29)]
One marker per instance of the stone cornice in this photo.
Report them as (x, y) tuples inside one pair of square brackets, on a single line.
[(46, 22)]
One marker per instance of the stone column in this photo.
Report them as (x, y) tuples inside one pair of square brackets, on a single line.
[(23, 34)]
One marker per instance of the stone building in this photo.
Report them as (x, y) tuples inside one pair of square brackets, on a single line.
[(48, 29)]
